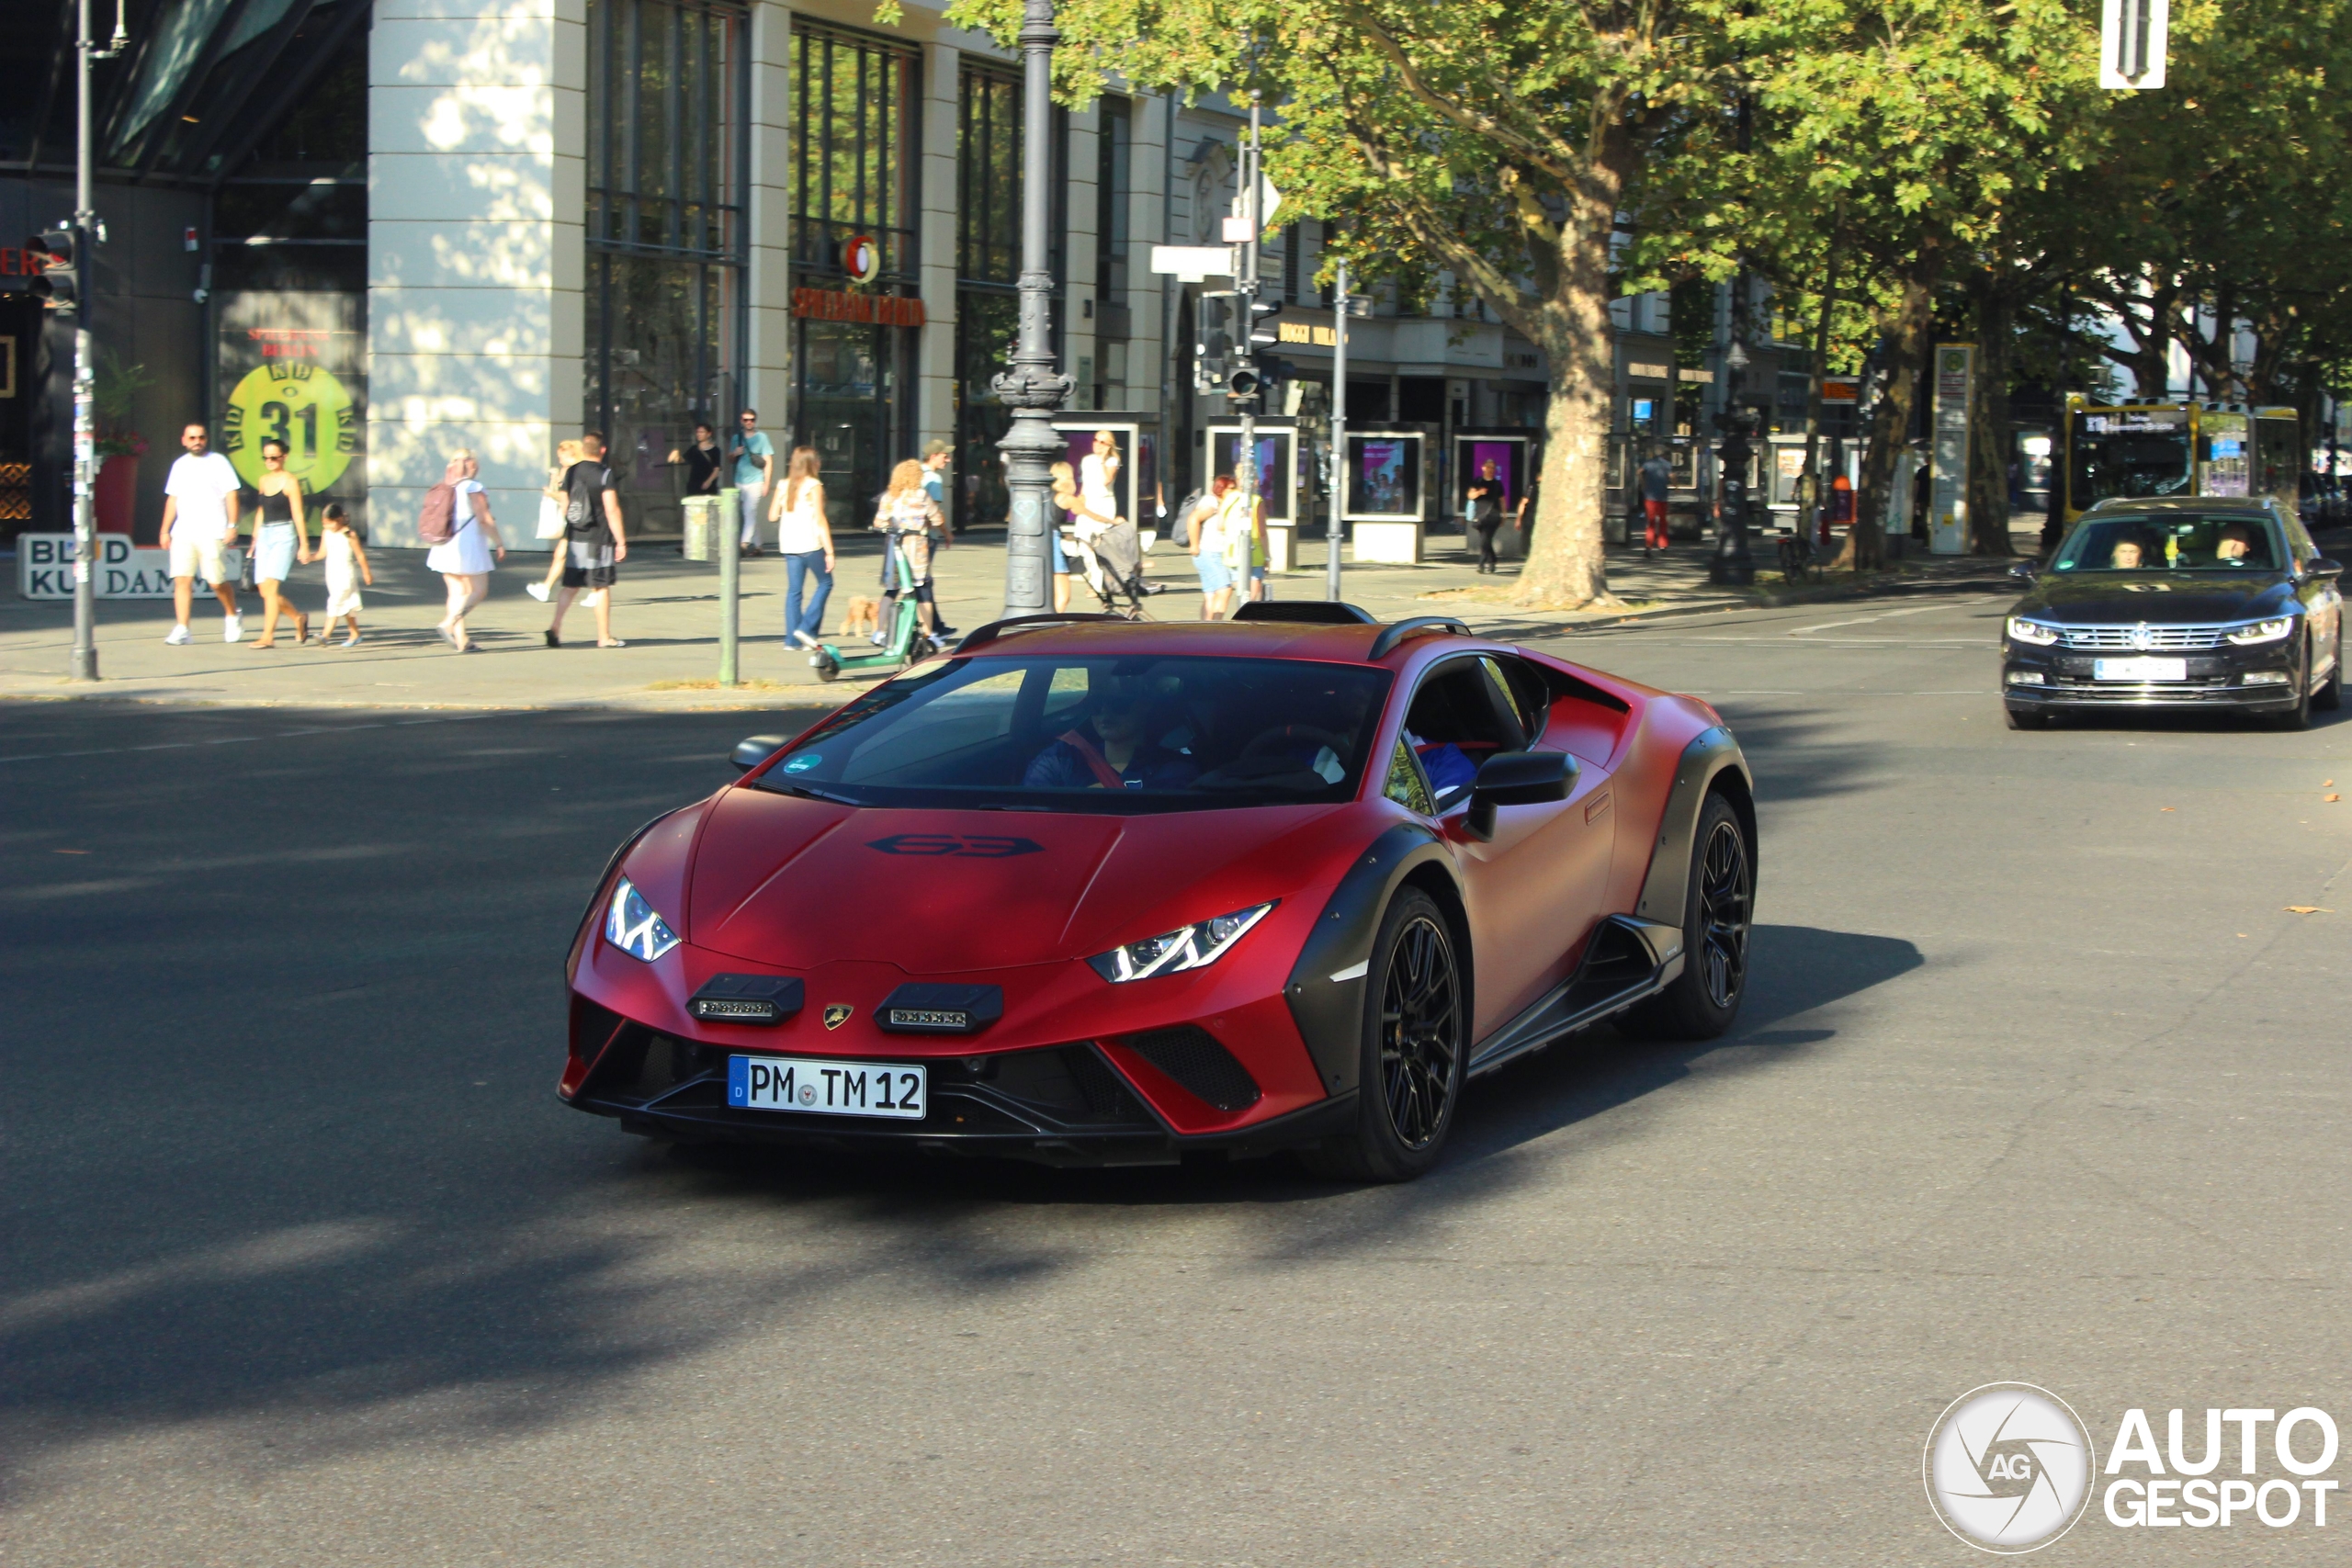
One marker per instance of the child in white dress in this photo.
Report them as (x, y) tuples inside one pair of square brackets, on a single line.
[(346, 568)]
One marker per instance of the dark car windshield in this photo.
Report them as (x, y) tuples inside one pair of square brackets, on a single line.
[(2172, 541), (1095, 734)]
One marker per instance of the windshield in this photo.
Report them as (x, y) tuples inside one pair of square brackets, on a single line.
[(2126, 453), (1135, 734), (2171, 541)]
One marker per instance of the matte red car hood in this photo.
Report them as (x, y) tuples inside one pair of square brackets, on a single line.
[(797, 883)]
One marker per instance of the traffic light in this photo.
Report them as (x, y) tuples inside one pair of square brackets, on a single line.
[(1242, 381), (1213, 341), (58, 286), (1262, 332)]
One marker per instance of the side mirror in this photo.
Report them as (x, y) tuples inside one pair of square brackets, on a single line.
[(1516, 778), (2026, 570), (750, 753), (2330, 570)]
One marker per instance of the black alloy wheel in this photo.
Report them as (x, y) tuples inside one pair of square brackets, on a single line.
[(1420, 1032), (1723, 888), (1416, 1048), (1717, 920)]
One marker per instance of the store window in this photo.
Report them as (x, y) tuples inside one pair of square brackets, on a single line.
[(666, 87), (987, 269)]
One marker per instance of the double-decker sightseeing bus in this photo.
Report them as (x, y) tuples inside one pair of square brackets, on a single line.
[(2178, 449)]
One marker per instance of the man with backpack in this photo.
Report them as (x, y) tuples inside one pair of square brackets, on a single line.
[(594, 542)]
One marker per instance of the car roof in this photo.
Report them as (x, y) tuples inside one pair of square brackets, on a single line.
[(2253, 506), (1245, 639)]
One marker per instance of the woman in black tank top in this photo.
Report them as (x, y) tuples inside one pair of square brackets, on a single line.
[(281, 537)]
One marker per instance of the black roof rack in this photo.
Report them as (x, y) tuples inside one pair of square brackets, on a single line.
[(995, 629), (1310, 611), (1419, 625)]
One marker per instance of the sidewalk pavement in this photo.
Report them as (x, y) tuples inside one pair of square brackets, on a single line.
[(667, 610)]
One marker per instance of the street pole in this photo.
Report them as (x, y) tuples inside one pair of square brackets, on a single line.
[(86, 224), (1033, 388), (1339, 477), (730, 601), (1246, 324)]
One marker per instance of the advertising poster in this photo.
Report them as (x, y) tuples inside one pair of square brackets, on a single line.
[(1947, 506), (1505, 456), (1274, 478), (292, 368), (1384, 475)]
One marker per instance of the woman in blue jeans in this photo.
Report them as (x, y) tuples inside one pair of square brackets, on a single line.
[(806, 542)]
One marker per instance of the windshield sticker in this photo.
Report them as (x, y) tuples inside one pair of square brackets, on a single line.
[(803, 763)]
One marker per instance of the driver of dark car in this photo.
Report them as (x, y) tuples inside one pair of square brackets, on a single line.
[(1110, 751), (2235, 546), (2129, 555)]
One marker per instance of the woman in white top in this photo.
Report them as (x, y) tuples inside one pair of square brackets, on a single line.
[(1098, 495), (464, 561), (805, 541)]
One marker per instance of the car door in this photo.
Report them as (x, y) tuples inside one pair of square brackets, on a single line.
[(1533, 888)]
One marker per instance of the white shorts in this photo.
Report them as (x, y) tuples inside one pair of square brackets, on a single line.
[(199, 557)]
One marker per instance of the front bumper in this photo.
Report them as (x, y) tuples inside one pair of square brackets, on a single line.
[(2254, 680), (1060, 1105)]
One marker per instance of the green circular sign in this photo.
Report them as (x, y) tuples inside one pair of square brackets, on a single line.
[(301, 403)]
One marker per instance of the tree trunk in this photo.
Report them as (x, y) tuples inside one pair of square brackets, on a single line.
[(1906, 329), (1989, 439)]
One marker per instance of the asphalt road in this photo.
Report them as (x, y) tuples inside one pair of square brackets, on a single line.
[(304, 1263)]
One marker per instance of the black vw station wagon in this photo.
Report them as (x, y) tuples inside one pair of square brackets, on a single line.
[(2211, 601)]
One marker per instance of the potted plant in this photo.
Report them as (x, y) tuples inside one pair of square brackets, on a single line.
[(114, 493)]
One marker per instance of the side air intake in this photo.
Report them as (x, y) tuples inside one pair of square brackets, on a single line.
[(1190, 1055)]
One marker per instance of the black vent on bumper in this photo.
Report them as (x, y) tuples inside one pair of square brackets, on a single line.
[(1068, 1081), (1190, 1055)]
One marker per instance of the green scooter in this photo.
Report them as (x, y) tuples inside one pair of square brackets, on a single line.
[(898, 651)]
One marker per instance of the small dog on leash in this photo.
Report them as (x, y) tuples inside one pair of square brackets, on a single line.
[(865, 616)]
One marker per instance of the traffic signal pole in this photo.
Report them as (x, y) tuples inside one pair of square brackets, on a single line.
[(86, 524), (1245, 287)]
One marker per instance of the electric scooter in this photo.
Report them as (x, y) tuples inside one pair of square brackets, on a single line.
[(897, 651)]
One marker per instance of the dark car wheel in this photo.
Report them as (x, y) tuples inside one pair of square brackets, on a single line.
[(1416, 1046), (2299, 715), (2330, 697), (2025, 718), (1703, 999)]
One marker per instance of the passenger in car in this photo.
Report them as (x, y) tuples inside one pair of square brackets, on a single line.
[(2236, 548)]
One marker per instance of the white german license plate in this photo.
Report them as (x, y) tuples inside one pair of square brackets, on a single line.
[(2139, 669), (825, 1087)]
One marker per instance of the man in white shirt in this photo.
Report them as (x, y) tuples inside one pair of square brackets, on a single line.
[(199, 523)]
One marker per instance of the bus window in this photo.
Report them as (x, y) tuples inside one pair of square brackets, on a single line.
[(2126, 452), (2228, 453), (2278, 458)]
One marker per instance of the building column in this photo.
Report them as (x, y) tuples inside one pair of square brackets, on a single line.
[(1147, 226), (766, 381), (943, 68), (476, 249)]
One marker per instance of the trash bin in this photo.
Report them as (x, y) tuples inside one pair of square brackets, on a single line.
[(702, 519)]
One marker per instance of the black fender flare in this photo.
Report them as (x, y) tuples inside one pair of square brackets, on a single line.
[(1711, 754), (1327, 985)]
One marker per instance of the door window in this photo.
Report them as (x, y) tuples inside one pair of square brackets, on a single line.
[(1461, 716), (1405, 784)]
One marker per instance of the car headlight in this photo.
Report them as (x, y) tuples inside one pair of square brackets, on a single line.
[(2034, 632), (1195, 946), (635, 926), (2261, 631)]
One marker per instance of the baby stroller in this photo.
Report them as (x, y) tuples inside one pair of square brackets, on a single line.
[(1112, 557)]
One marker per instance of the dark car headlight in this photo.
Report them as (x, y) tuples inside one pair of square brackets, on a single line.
[(2032, 632), (2261, 631), (635, 926), (1195, 946)]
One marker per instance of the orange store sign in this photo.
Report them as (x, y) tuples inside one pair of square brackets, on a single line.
[(834, 305)]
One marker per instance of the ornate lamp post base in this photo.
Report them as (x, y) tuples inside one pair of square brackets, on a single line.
[(1033, 388)]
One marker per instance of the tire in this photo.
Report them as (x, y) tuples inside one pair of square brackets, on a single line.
[(1416, 1050), (1720, 900), (2330, 697), (826, 669), (2299, 715), (2022, 719)]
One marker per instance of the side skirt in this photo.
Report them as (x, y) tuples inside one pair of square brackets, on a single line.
[(1627, 959)]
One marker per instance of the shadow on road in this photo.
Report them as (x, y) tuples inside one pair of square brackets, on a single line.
[(282, 1137)]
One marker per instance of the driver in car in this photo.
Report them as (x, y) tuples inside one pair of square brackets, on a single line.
[(2129, 555), (1110, 751)]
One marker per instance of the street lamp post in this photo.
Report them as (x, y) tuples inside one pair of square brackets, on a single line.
[(86, 224), (1338, 475), (1033, 388)]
